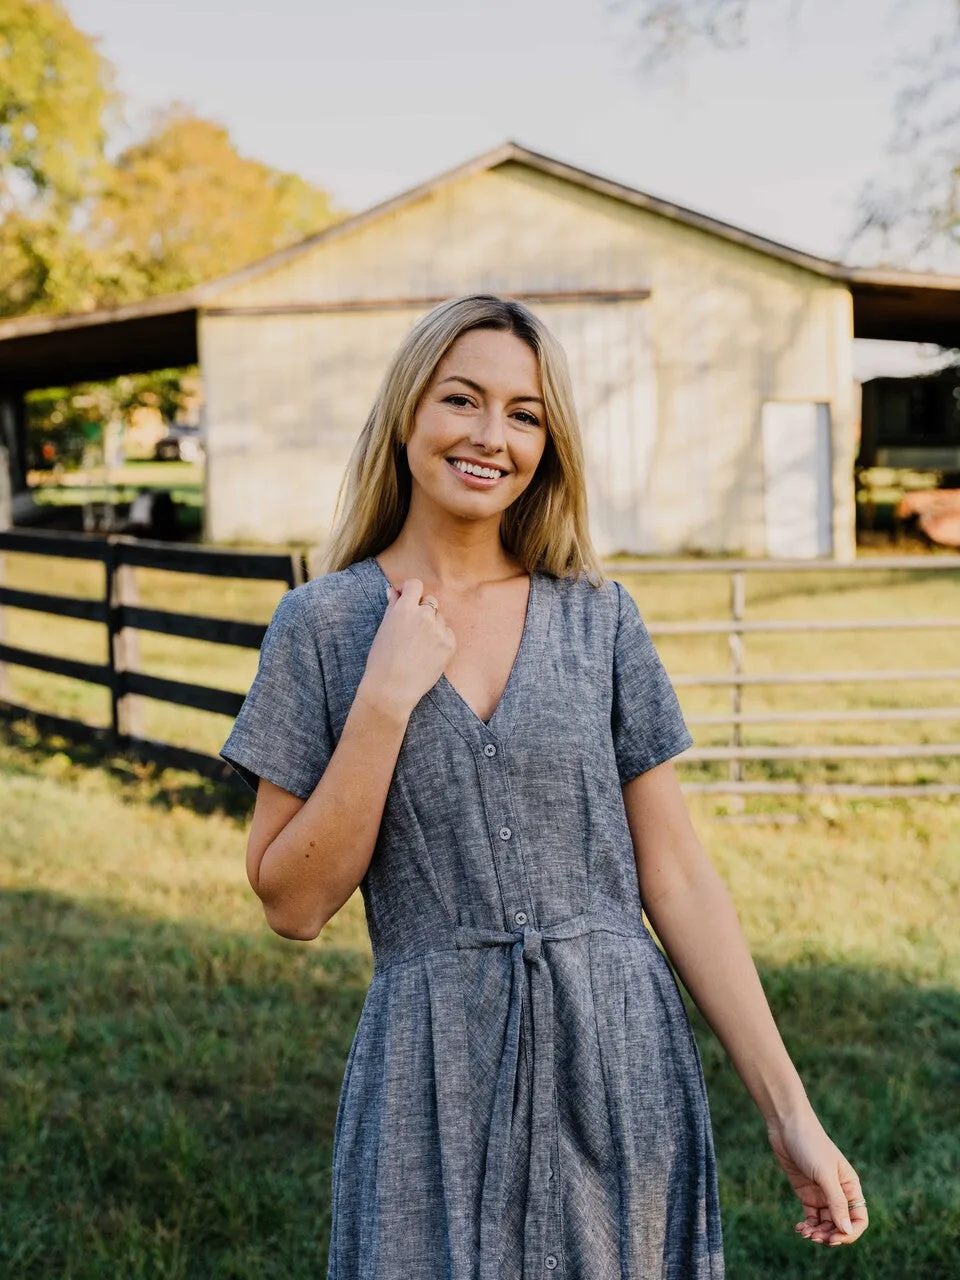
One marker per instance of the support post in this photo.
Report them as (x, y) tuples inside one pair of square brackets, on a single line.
[(126, 710), (738, 593)]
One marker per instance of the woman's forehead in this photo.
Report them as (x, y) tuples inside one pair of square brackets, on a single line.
[(490, 356)]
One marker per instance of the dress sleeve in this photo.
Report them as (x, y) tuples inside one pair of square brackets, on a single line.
[(647, 723), (282, 731)]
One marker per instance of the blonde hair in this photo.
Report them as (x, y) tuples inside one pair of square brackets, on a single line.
[(545, 528)]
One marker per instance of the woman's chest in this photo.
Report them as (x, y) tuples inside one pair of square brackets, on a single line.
[(488, 643)]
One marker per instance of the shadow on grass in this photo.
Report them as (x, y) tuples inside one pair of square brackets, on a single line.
[(168, 1098), (165, 788)]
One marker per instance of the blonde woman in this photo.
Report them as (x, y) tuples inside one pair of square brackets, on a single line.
[(462, 717)]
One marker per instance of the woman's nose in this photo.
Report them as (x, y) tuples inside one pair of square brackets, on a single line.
[(488, 430)]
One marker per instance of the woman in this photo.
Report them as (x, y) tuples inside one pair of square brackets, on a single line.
[(459, 719)]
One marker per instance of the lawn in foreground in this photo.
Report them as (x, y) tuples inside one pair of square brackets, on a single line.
[(169, 1069)]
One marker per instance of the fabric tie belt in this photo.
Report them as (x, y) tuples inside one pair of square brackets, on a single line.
[(541, 1238)]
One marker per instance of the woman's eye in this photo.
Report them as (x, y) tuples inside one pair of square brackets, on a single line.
[(525, 416), (458, 400)]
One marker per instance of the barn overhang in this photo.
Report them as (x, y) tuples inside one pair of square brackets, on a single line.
[(903, 307), (53, 351)]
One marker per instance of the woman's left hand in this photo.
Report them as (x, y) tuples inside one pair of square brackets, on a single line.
[(823, 1179)]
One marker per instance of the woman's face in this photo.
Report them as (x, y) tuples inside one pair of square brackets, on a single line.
[(483, 405)]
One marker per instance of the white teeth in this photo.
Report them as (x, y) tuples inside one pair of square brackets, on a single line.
[(489, 472)]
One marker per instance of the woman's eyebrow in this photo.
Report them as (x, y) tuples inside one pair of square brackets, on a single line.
[(475, 386)]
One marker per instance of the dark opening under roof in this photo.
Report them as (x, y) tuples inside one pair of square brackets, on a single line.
[(905, 307), (52, 351)]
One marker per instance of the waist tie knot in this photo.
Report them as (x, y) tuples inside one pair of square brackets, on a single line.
[(532, 943)]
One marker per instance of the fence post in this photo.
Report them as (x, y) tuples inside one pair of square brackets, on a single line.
[(738, 594), (126, 712), (6, 521)]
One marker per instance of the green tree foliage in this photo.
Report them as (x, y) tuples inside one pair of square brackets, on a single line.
[(77, 231), (184, 206), (178, 207), (62, 420), (56, 103)]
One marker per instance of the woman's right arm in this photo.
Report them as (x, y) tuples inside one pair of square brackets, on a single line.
[(305, 858)]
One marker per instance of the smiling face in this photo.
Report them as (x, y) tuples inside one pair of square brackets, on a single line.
[(484, 405)]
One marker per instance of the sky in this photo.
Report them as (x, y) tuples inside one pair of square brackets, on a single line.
[(367, 98)]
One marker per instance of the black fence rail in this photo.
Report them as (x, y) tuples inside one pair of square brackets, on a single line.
[(119, 610), (123, 617)]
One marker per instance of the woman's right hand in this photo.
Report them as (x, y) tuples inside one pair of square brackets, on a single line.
[(412, 647)]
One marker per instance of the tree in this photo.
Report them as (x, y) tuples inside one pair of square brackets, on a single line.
[(911, 214), (178, 207), (184, 206), (56, 102), (666, 29)]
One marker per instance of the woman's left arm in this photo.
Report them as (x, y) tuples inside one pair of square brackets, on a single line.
[(694, 917)]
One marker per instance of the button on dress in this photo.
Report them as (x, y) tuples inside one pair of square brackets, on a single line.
[(523, 1096)]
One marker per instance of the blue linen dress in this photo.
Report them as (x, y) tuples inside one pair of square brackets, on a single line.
[(523, 1097)]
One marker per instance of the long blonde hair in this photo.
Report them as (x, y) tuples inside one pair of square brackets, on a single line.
[(545, 528)]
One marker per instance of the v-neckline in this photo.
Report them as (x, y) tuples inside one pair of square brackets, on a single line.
[(452, 702)]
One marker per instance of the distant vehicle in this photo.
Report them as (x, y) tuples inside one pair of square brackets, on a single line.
[(182, 443)]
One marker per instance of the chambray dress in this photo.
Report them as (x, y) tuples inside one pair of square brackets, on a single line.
[(523, 1097)]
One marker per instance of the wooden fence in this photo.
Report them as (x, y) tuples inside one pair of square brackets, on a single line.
[(737, 629), (118, 610), (123, 617)]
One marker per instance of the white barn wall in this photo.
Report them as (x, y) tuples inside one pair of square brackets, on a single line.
[(673, 385), (286, 398)]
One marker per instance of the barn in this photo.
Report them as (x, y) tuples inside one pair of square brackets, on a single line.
[(712, 367)]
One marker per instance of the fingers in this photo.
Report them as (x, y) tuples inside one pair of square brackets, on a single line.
[(852, 1191), (412, 589), (838, 1222), (837, 1204)]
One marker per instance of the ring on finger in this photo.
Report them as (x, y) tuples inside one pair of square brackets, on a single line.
[(856, 1204), (432, 602)]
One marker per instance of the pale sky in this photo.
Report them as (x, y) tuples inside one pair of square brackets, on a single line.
[(370, 97)]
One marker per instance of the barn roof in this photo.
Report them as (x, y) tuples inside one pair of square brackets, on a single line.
[(162, 332)]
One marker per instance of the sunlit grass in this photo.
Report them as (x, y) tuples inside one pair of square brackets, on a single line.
[(169, 1068)]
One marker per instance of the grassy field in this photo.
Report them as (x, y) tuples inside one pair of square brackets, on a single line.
[(852, 593), (169, 1069), (65, 486)]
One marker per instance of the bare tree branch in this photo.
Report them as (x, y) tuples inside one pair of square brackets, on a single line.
[(665, 30), (910, 214)]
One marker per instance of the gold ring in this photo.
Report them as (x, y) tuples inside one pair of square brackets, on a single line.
[(432, 603)]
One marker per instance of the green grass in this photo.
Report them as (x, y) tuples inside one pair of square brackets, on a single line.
[(169, 1069), (134, 473)]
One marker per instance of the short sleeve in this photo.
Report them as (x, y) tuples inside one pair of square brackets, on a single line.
[(646, 720), (282, 730)]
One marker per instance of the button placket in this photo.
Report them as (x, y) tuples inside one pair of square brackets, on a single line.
[(497, 794)]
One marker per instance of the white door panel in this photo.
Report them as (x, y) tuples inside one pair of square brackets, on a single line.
[(797, 480)]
